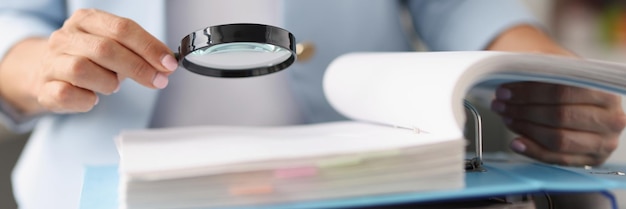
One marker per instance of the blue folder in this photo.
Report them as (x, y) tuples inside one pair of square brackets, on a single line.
[(500, 178)]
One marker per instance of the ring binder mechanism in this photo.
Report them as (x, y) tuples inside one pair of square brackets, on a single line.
[(605, 171), (618, 173), (475, 164)]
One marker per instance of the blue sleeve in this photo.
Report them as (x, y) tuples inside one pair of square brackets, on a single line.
[(19, 20), (463, 25), (28, 18)]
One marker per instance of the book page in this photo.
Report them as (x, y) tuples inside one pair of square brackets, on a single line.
[(146, 151), (406, 89), (511, 67), (425, 90)]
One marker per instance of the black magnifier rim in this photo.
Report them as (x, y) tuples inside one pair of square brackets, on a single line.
[(234, 33)]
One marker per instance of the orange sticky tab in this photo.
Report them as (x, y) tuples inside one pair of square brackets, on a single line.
[(295, 172), (251, 189)]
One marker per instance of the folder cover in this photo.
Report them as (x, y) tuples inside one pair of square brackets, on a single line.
[(500, 178)]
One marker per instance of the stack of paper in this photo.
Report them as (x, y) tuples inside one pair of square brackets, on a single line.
[(422, 93), (206, 167)]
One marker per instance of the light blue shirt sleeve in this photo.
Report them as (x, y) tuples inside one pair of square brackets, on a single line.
[(462, 25), (20, 20)]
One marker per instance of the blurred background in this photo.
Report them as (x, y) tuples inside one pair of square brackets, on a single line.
[(591, 28)]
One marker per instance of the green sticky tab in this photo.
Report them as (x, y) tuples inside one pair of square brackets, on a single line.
[(381, 154), (339, 162)]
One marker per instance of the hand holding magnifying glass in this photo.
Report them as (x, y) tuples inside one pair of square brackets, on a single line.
[(237, 50), (86, 57)]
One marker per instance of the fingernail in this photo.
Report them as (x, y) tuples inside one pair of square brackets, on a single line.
[(160, 81), (169, 62), (518, 146), (97, 100), (117, 89), (503, 94), (498, 107)]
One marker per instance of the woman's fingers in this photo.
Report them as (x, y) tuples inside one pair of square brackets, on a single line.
[(92, 53), (533, 150), (549, 93), (561, 124), (565, 140), (62, 97), (583, 117), (129, 34), (83, 73), (110, 55)]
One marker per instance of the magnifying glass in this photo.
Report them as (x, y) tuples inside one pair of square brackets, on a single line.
[(237, 50)]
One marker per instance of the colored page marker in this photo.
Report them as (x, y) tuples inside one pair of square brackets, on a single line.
[(339, 162), (382, 154), (251, 190), (295, 172)]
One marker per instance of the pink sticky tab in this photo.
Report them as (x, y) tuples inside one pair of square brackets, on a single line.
[(295, 172)]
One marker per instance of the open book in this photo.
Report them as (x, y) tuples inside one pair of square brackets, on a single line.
[(406, 135)]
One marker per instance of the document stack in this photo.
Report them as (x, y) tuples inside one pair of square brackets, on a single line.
[(405, 135), (207, 167)]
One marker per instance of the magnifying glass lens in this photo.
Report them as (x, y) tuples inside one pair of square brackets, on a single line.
[(240, 55), (237, 50)]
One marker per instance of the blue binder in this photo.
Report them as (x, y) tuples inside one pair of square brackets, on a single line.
[(501, 178)]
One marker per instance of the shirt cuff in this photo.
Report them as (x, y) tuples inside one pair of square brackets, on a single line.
[(14, 121), (456, 25), (16, 27)]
